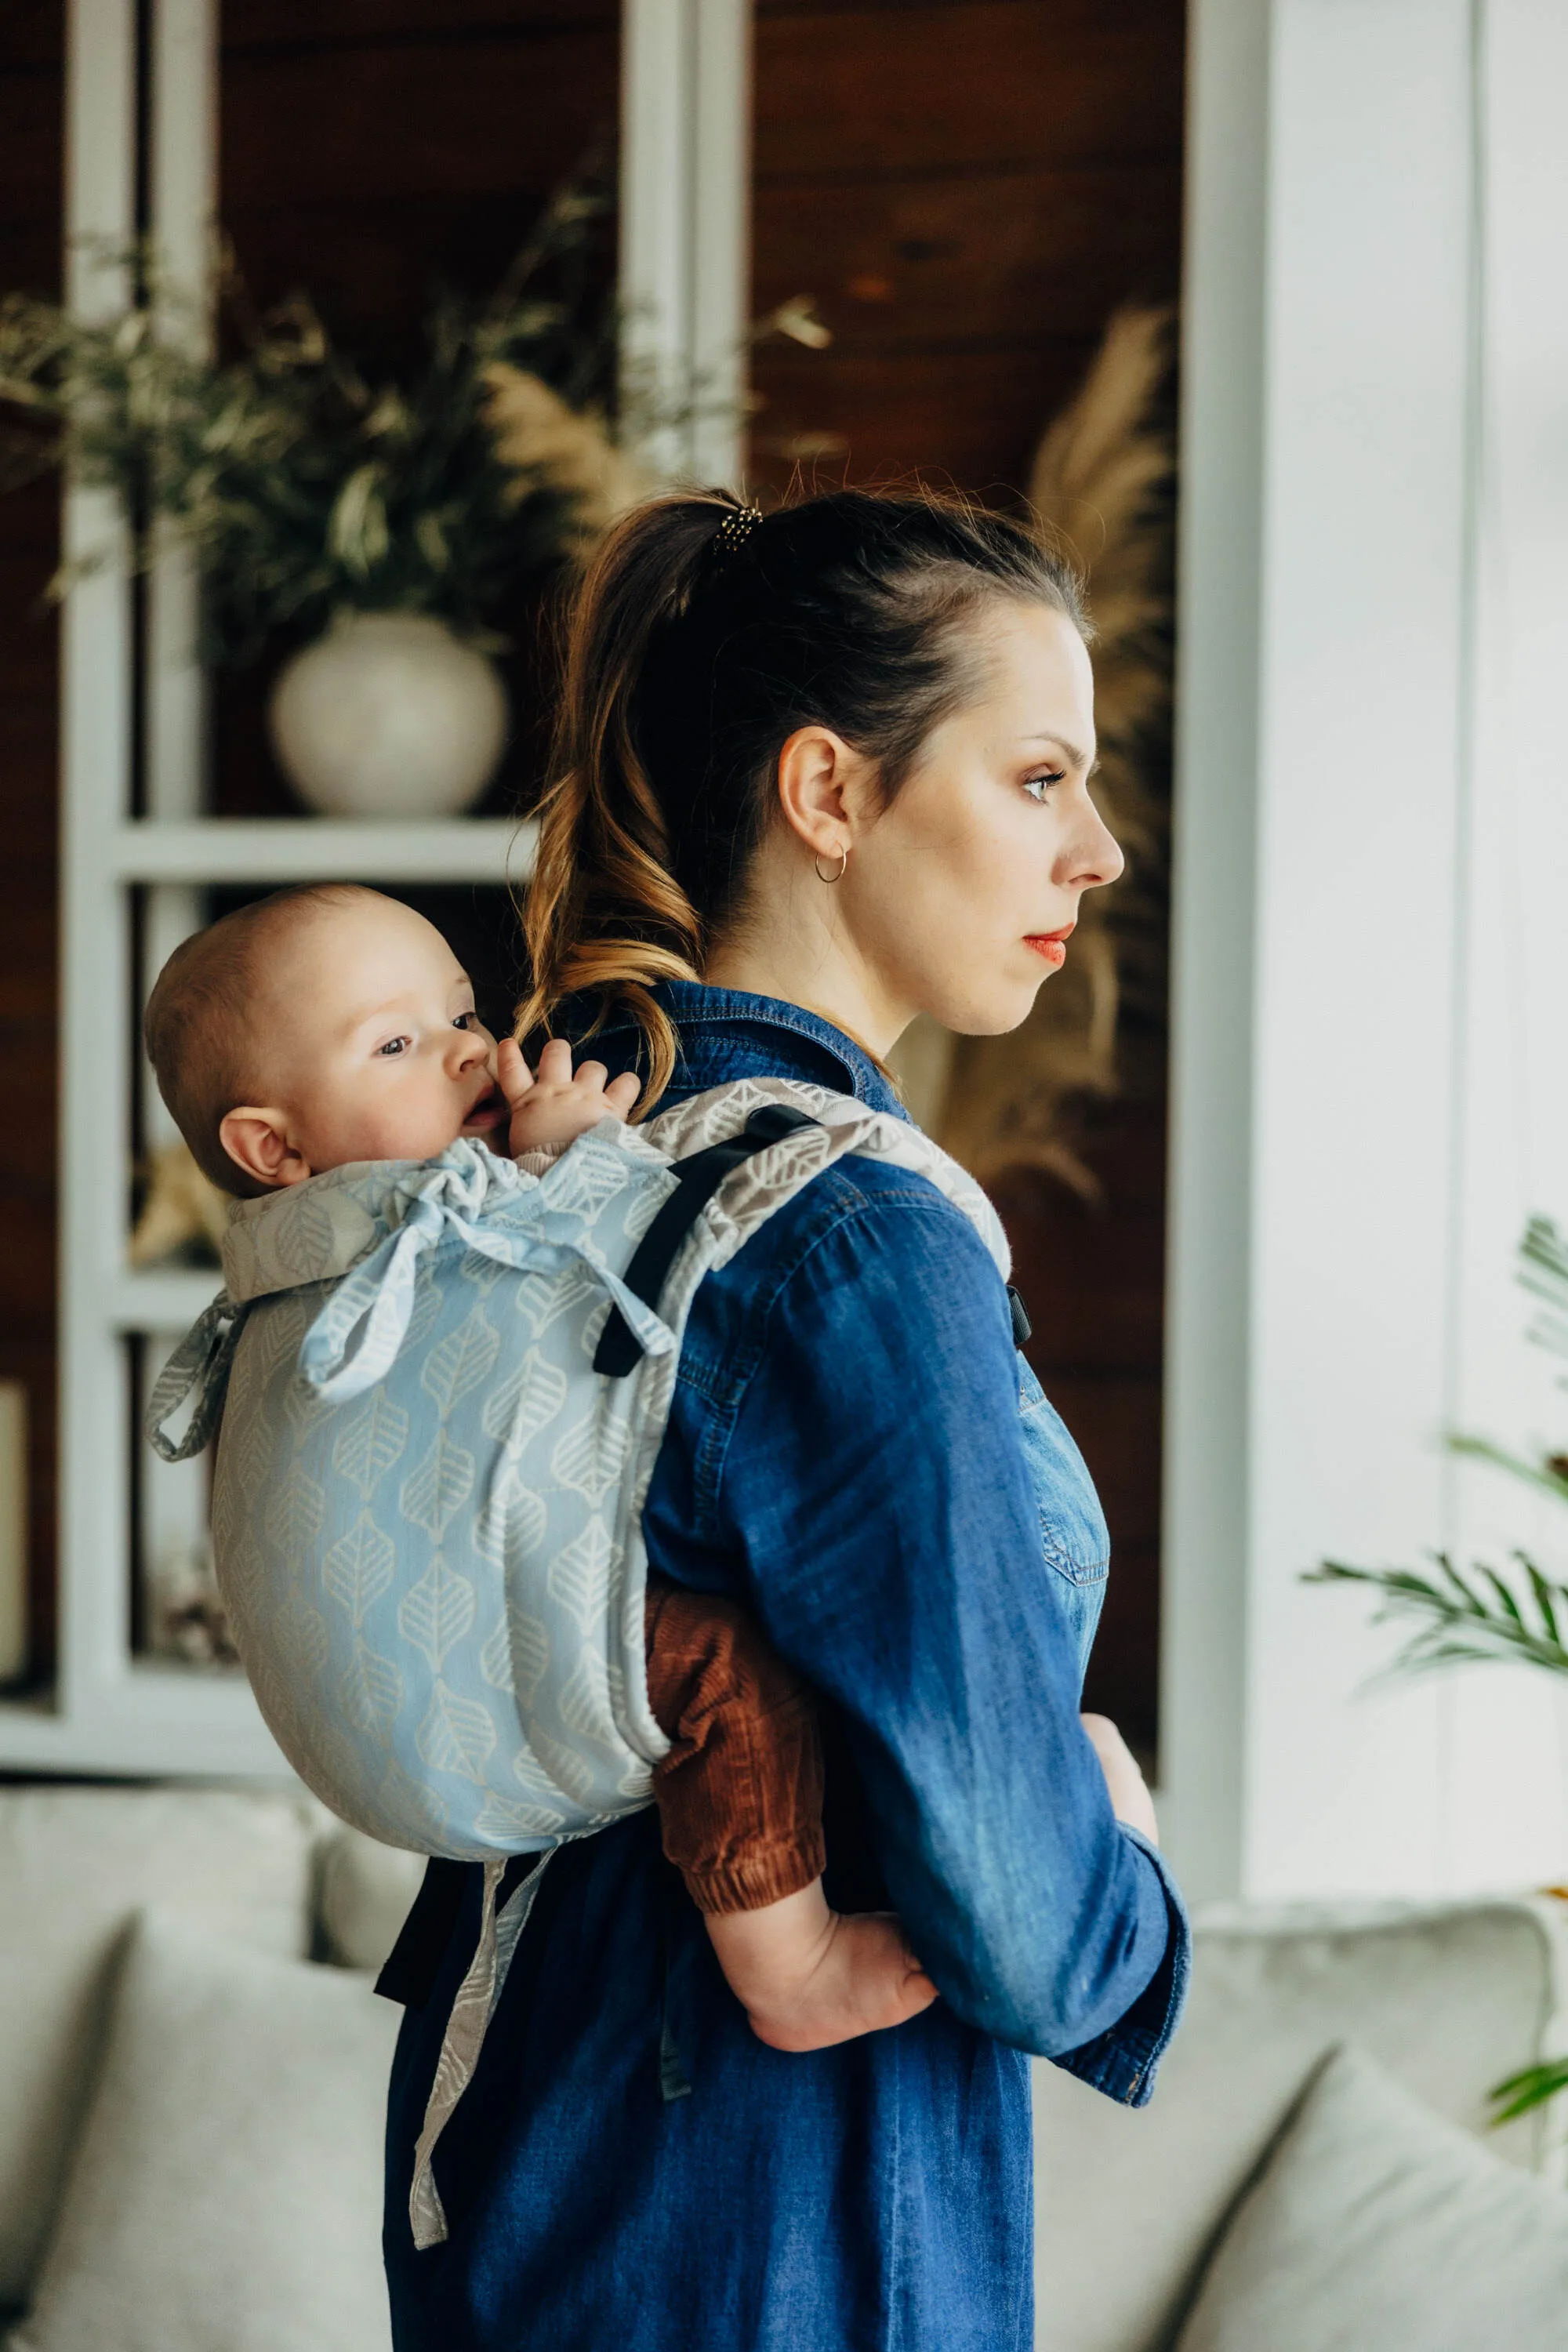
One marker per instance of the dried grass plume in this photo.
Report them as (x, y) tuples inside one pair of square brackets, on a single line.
[(541, 437), (182, 1207)]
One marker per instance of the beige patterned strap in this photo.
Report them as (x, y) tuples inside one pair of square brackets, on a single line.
[(465, 2037), (841, 1125)]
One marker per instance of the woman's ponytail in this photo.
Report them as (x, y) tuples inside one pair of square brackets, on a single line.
[(693, 653), (605, 914)]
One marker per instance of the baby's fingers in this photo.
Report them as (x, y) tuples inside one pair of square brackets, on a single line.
[(555, 1063), (621, 1093), (513, 1075)]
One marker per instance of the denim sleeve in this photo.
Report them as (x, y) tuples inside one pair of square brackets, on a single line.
[(874, 1483)]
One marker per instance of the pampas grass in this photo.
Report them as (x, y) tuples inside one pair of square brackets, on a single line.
[(1101, 487), (538, 436), (183, 1213)]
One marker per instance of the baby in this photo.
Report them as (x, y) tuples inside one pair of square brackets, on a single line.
[(332, 1025)]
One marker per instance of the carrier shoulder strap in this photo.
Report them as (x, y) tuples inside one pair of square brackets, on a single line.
[(698, 1179)]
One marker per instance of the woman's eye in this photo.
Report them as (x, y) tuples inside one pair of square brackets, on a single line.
[(1039, 786), (392, 1047)]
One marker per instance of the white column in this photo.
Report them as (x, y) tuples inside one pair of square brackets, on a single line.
[(183, 195), (685, 215), (1204, 1621), (95, 744), (183, 189), (1372, 842)]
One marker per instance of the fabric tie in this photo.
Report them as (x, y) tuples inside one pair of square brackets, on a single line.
[(202, 1362), (372, 1302), (379, 1294), (473, 2006)]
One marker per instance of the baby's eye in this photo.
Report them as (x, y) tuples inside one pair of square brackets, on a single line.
[(464, 1020), (1039, 786), (393, 1046)]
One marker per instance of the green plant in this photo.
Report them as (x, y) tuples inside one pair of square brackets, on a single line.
[(1484, 1616), (302, 486)]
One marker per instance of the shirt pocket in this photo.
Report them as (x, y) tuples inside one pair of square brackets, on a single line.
[(1074, 1538), (1072, 1526)]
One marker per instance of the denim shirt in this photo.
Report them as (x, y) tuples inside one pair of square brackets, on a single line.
[(859, 1453)]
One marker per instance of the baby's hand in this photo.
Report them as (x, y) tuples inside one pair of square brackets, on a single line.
[(559, 1105)]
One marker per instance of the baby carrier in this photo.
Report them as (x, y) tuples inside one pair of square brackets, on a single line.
[(448, 1382), (447, 1385)]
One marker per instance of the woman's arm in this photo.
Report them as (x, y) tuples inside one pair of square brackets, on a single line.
[(867, 1465)]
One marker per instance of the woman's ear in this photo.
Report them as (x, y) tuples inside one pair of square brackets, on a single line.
[(257, 1142), (817, 770)]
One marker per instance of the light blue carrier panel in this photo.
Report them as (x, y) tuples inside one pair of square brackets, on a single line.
[(427, 1503)]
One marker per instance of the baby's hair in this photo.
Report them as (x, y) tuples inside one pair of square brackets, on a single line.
[(198, 1027)]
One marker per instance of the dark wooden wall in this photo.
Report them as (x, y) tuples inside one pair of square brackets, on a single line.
[(30, 102), (969, 188)]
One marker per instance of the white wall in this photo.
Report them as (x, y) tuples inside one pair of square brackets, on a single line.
[(1372, 841)]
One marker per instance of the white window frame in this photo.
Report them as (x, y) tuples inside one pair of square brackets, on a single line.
[(685, 203)]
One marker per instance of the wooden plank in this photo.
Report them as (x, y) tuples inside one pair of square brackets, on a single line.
[(320, 24), (1015, 81), (30, 258), (971, 417), (32, 36), (474, 118), (948, 259), (371, 267), (30, 116)]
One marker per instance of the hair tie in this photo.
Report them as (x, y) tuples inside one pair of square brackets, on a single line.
[(733, 533)]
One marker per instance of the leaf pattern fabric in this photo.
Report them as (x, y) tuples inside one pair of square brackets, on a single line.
[(426, 1506)]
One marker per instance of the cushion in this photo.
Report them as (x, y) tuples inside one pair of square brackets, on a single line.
[(1448, 1999), (367, 1892), (75, 1863), (1375, 2223), (225, 2194)]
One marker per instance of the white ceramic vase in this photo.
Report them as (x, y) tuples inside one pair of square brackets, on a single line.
[(388, 715)]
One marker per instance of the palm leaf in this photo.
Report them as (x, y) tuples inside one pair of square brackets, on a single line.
[(1456, 1622), (1530, 2087)]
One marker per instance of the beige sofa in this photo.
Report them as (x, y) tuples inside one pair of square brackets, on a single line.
[(192, 2071)]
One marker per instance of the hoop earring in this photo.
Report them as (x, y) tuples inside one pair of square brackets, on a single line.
[(843, 862)]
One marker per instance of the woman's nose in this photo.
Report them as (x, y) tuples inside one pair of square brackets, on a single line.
[(1098, 858)]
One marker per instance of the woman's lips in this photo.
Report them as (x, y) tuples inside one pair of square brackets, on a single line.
[(1051, 945)]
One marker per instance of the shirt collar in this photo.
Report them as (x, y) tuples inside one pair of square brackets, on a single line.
[(727, 1032)]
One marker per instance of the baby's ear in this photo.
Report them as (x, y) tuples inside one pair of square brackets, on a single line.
[(257, 1142)]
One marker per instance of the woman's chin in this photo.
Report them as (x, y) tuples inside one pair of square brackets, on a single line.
[(993, 1015)]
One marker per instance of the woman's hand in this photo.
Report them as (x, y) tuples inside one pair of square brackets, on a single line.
[(1130, 1797)]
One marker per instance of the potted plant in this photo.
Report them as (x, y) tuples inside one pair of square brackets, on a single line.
[(1484, 1616), (377, 526)]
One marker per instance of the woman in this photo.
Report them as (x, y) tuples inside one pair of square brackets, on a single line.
[(819, 772)]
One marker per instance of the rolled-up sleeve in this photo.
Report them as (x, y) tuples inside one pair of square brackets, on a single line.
[(870, 1476)]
